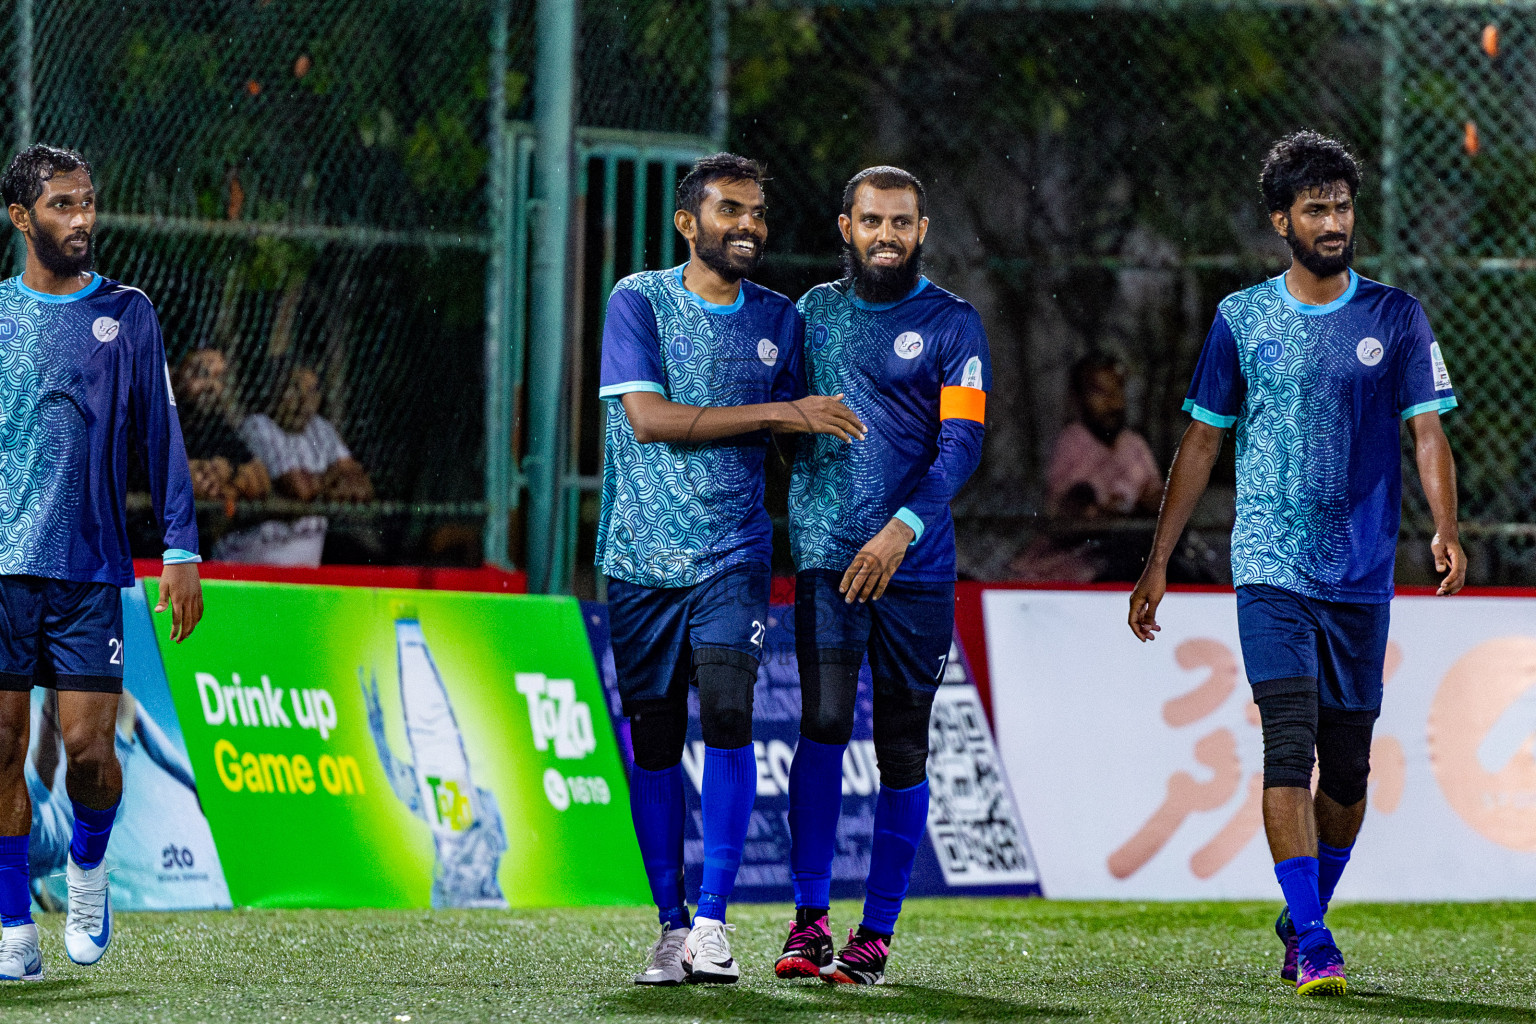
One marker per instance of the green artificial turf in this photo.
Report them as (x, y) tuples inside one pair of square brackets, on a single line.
[(960, 960)]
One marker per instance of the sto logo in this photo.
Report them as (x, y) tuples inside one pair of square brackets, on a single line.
[(1217, 751), (1482, 740)]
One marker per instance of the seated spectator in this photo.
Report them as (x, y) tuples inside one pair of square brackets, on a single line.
[(309, 462), (1099, 466), (223, 468)]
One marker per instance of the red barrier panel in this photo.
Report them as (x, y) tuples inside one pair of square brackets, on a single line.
[(484, 579)]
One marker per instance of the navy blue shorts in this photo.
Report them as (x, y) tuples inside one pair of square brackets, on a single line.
[(907, 633), (1293, 643), (655, 630), (59, 634)]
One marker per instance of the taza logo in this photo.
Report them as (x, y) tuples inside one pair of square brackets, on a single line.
[(555, 714)]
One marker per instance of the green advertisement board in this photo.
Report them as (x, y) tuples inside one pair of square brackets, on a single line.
[(387, 748)]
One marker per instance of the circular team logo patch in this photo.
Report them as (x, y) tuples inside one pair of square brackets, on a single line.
[(105, 328), (819, 336), (1270, 352), (682, 347), (7, 328), (1370, 351), (909, 344), (768, 352)]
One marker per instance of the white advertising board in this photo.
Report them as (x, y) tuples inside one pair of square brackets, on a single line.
[(1139, 766)]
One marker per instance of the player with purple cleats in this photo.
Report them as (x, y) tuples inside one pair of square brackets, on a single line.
[(698, 366), (85, 378), (1317, 369), (874, 546)]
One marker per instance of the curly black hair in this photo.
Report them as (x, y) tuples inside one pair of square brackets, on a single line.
[(717, 167), (1303, 161), (23, 181), (882, 178)]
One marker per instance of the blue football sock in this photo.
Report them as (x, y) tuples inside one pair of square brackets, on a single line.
[(15, 897), (815, 801), (730, 785), (1298, 881), (901, 817), (656, 805), (1330, 867), (88, 843)]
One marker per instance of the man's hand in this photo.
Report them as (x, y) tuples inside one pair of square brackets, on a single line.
[(183, 592), (1144, 601), (872, 568), (299, 484), (1451, 560), (252, 482), (821, 414), (347, 480)]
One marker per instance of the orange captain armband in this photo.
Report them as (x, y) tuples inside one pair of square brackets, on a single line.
[(962, 403)]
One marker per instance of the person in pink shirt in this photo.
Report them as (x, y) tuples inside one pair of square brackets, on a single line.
[(1099, 466)]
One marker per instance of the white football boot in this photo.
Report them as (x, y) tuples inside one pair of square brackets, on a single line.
[(88, 924), (707, 953), (665, 965), (21, 959)]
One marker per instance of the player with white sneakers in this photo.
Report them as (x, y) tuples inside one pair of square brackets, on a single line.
[(84, 369)]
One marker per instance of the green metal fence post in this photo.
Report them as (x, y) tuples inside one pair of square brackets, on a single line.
[(554, 105), (1391, 138), (498, 392)]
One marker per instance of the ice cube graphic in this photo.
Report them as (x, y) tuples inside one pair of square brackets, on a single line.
[(465, 820)]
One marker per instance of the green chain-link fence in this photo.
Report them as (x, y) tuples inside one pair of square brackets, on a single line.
[(307, 182), (1093, 181)]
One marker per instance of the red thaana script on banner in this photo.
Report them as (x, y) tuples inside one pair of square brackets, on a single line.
[(1217, 750)]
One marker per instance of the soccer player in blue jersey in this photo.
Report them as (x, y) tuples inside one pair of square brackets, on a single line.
[(1316, 369), (84, 376), (698, 365), (874, 546)]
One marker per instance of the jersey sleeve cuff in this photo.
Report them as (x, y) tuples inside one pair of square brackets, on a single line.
[(1436, 405), (180, 556), (909, 517), (1205, 415), (629, 386)]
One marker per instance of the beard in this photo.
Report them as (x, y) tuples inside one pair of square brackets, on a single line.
[(1316, 262), (882, 285), (52, 256), (716, 253)]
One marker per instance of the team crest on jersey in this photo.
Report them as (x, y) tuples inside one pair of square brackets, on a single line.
[(8, 328), (819, 336), (1437, 361), (1270, 352), (1370, 351), (105, 328), (971, 378), (768, 352), (682, 347), (909, 344)]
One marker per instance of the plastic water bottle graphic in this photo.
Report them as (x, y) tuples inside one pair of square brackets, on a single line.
[(437, 785)]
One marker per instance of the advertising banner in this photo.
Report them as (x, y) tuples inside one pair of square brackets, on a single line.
[(162, 855), (385, 748), (1139, 766), (976, 844)]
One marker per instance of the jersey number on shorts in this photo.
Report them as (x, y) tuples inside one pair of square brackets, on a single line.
[(758, 630), (117, 651)]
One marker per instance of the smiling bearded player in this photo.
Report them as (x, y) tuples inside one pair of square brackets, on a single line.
[(874, 547), (85, 371), (1317, 369)]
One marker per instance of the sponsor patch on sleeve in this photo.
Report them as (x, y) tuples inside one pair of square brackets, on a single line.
[(971, 377), (1437, 362)]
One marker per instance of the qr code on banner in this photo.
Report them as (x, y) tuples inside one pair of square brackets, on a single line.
[(972, 819)]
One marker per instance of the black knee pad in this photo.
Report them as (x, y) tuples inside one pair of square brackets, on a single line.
[(901, 738), (829, 684), (726, 679), (1344, 753), (657, 731), (1290, 737)]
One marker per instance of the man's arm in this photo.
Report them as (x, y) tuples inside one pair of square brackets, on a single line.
[(1187, 479), (654, 418), (170, 481), (1437, 475)]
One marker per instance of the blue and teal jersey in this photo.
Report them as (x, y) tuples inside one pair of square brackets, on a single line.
[(1317, 394), (674, 515), (916, 373), (85, 374)]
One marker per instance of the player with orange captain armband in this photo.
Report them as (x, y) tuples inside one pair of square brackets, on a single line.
[(874, 545)]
